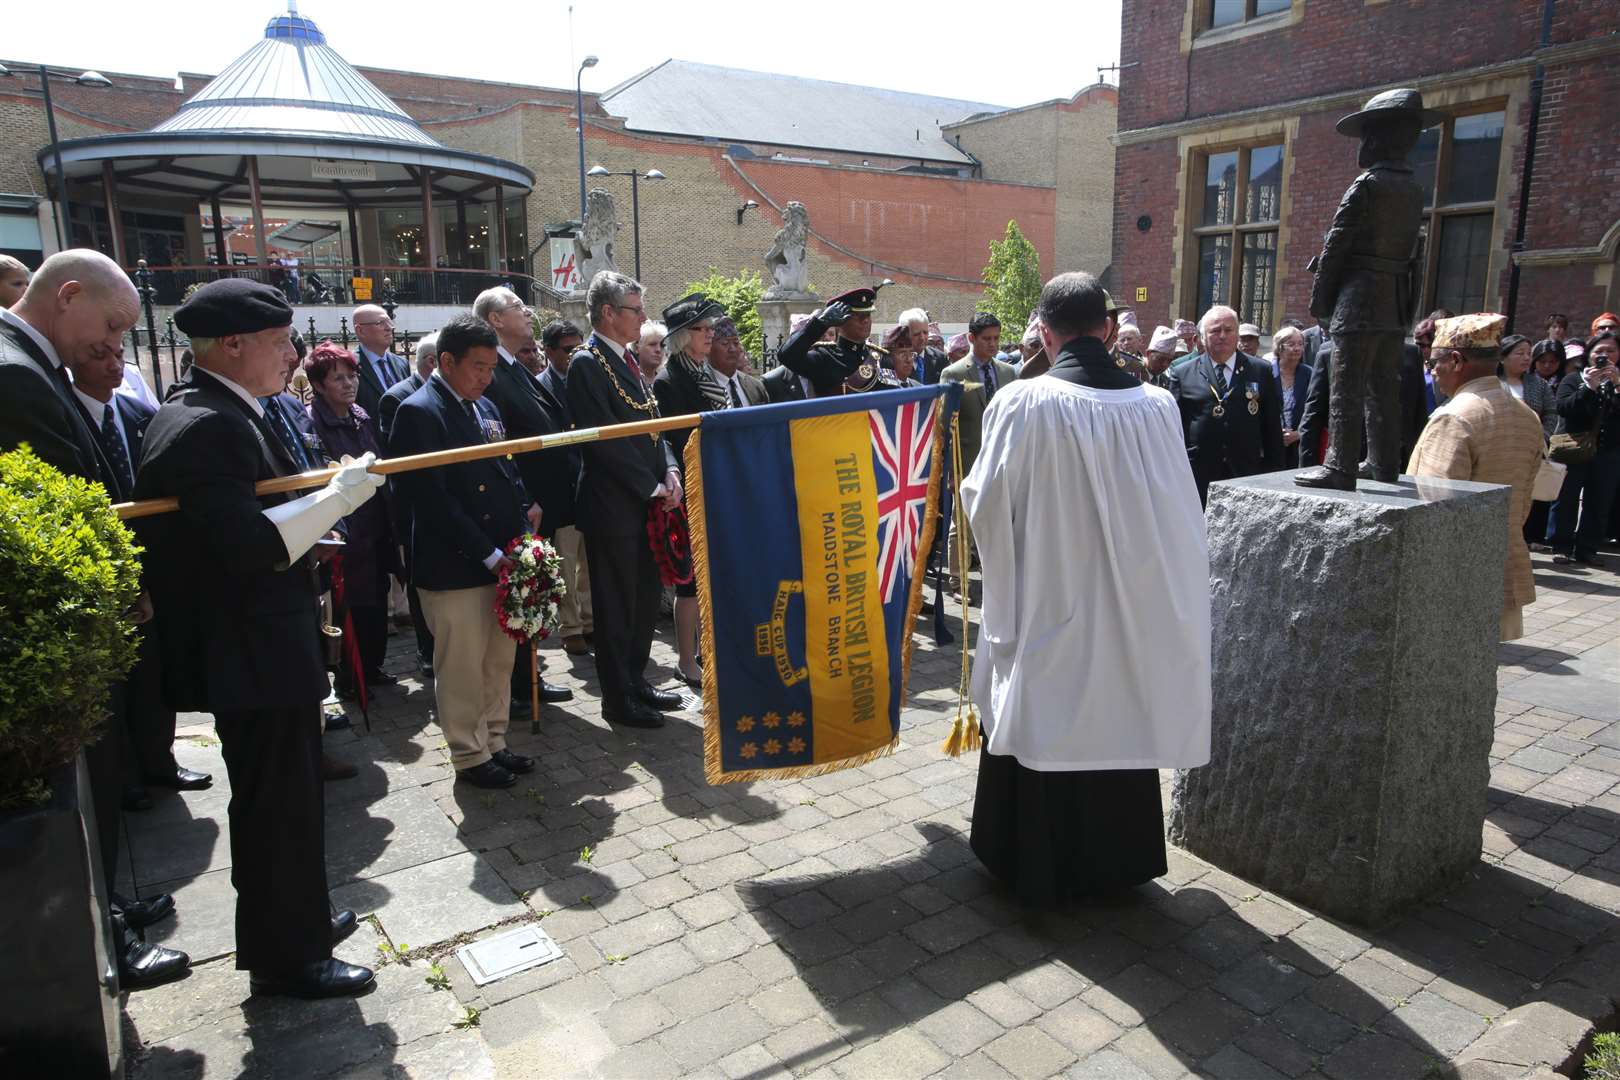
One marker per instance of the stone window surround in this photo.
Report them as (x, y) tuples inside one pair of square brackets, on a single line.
[(1508, 91), (1193, 149), (1197, 34)]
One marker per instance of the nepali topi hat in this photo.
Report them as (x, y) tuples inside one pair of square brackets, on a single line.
[(1479, 331), (1386, 106)]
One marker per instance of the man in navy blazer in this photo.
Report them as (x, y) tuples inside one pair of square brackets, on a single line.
[(462, 517), (1231, 417)]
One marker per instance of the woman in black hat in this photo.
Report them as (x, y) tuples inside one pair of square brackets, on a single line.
[(686, 385)]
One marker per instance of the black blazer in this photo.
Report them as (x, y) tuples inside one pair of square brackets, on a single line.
[(458, 513), (35, 408), (554, 393), (678, 394), (1413, 405), (369, 396), (238, 627), (389, 403), (782, 384), (619, 475), (546, 474), (930, 362), (1237, 443)]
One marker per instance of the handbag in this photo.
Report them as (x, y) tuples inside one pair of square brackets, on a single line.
[(1567, 449), (1549, 480)]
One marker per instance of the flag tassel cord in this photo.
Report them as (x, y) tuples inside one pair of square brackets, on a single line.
[(964, 734), (388, 466)]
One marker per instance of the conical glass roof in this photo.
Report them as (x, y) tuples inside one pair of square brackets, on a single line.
[(292, 83)]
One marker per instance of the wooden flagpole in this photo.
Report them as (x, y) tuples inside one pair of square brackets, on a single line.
[(388, 466)]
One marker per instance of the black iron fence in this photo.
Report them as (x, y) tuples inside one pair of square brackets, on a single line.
[(346, 285)]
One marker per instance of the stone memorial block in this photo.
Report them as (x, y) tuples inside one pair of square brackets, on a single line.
[(1354, 670)]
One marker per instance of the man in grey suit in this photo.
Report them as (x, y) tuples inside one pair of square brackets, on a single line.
[(982, 375)]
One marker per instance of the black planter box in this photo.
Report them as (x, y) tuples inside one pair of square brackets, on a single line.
[(59, 1013)]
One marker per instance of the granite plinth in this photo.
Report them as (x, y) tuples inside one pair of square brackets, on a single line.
[(776, 314), (1355, 643)]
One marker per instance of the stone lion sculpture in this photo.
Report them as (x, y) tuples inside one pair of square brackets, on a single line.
[(788, 258), (593, 247)]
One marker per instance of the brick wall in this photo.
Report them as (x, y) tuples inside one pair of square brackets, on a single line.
[(1326, 56), (939, 228)]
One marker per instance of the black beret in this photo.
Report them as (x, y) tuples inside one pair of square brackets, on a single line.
[(233, 306)]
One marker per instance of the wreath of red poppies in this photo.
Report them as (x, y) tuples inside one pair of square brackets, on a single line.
[(671, 541)]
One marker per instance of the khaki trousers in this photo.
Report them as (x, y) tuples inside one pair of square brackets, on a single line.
[(575, 610), (472, 672), (1512, 622)]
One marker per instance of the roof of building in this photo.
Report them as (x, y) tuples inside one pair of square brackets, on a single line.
[(679, 97), (292, 83)]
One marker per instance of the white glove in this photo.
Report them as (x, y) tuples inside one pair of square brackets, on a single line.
[(302, 522), (355, 482)]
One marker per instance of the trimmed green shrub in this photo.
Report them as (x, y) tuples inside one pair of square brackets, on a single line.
[(69, 570)]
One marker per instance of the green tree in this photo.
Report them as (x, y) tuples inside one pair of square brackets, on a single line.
[(740, 296), (1012, 281)]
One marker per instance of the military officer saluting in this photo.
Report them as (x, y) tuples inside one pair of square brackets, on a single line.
[(812, 368)]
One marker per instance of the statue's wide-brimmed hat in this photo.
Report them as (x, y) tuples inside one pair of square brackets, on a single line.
[(1389, 104), (689, 310)]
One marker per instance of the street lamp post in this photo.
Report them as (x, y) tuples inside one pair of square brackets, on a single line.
[(63, 220), (635, 202), (579, 103)]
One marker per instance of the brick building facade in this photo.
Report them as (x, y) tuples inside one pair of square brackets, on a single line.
[(1228, 168), (872, 215)]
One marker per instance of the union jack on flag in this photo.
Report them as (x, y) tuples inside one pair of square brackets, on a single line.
[(902, 450)]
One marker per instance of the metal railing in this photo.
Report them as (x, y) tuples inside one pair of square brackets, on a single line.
[(317, 284)]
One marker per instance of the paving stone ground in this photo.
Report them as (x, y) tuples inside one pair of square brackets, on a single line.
[(839, 927)]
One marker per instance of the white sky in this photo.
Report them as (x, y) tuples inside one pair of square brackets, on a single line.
[(1012, 52)]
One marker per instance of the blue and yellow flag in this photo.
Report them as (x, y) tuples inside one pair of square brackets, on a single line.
[(810, 522)]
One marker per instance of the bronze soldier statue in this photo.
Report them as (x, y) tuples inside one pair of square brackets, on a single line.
[(1364, 285)]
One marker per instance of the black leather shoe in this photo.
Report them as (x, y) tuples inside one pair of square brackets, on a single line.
[(142, 965), (338, 720), (137, 799), (140, 914), (662, 700), (1324, 477), (487, 775), (424, 666), (511, 762), (380, 678), (344, 923), (322, 979), (181, 779), (633, 714), (550, 692)]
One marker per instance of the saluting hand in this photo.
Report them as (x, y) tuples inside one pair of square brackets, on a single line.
[(836, 313)]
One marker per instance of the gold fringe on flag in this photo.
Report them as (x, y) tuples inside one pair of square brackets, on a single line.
[(964, 734)]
